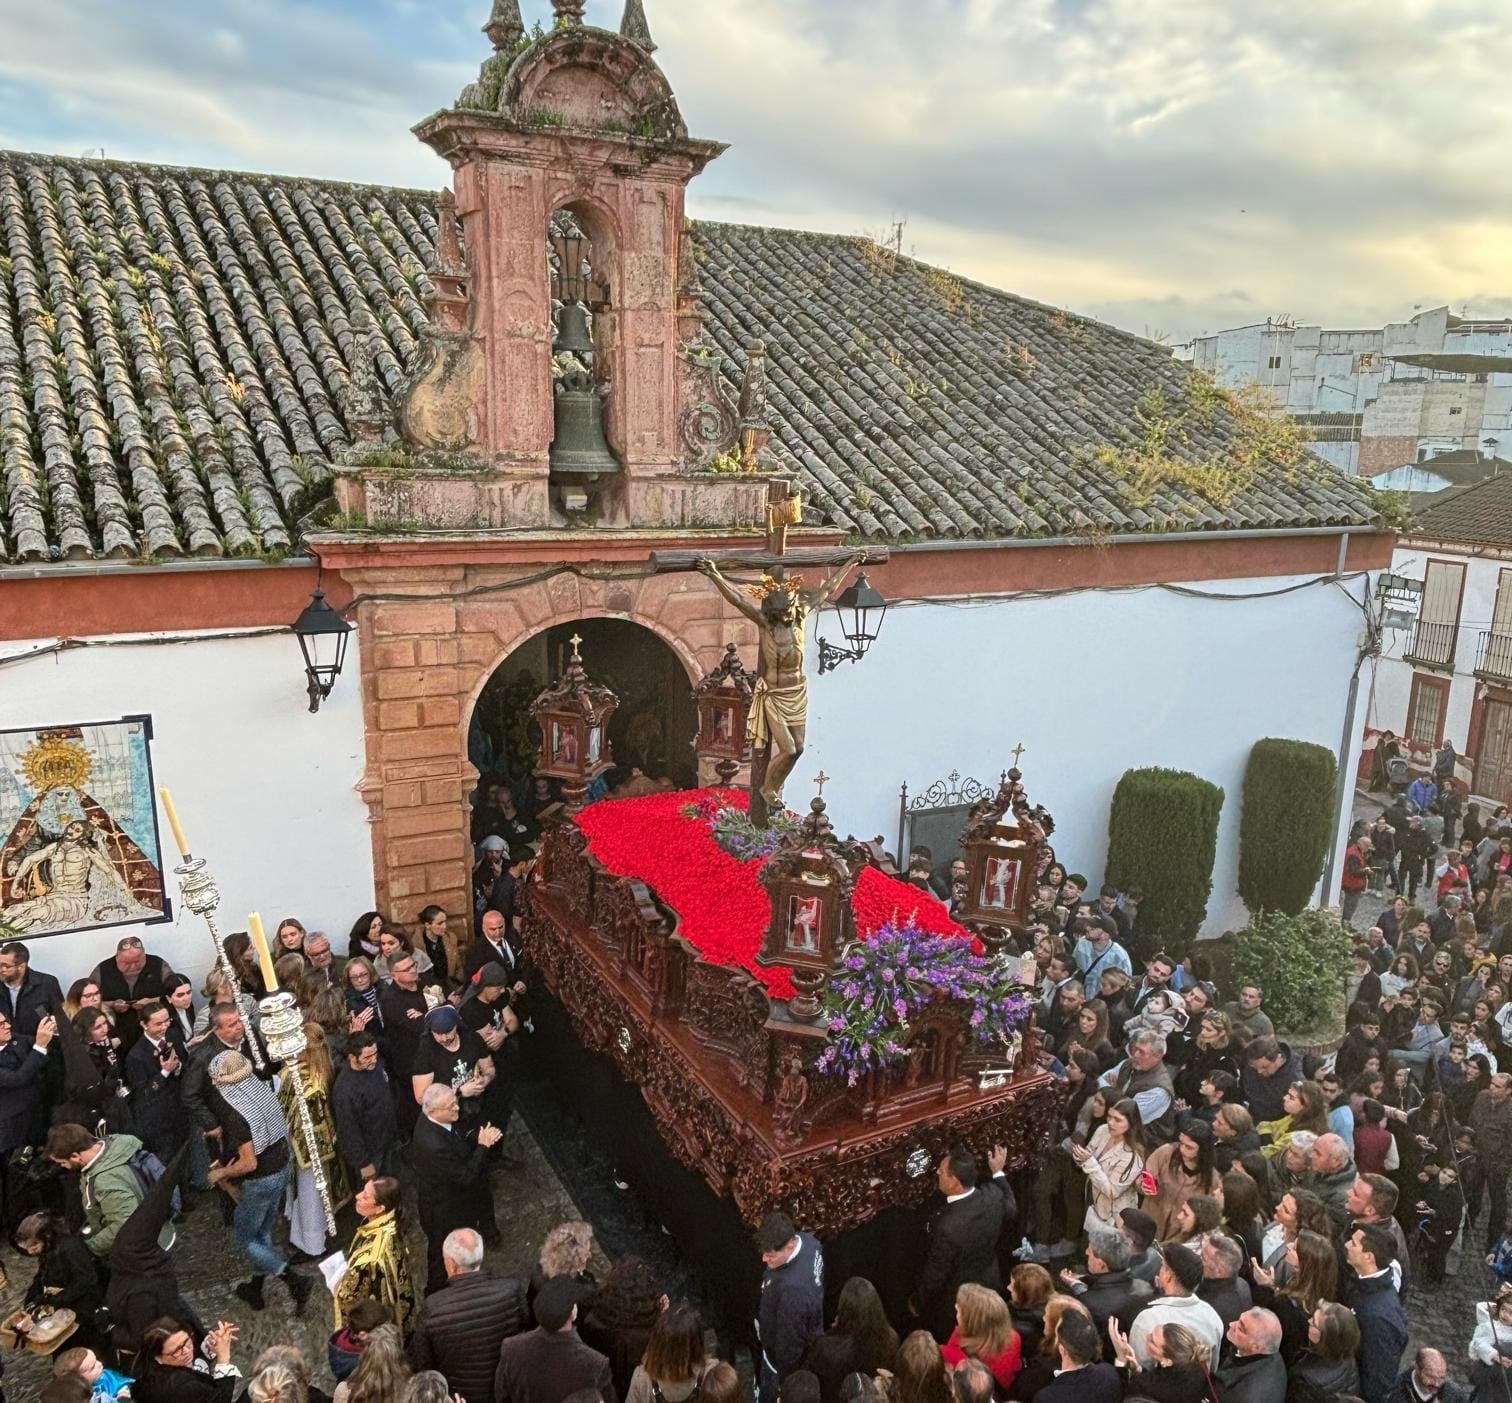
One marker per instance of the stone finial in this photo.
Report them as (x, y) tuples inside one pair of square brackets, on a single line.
[(568, 11), (448, 249), (634, 27), (755, 416), (364, 397), (504, 26)]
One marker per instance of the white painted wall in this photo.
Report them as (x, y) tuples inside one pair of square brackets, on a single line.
[(1092, 683), (266, 792)]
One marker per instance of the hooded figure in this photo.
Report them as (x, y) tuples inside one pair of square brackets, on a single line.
[(142, 1281)]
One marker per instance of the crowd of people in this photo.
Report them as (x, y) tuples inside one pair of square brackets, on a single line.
[(1217, 1220)]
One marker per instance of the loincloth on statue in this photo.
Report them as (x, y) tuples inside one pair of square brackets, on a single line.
[(788, 704)]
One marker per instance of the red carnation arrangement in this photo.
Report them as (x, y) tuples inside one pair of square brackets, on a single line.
[(665, 840)]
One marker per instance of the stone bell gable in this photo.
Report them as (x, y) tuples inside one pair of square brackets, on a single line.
[(570, 138)]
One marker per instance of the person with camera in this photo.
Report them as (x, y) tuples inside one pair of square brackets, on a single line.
[(154, 1077)]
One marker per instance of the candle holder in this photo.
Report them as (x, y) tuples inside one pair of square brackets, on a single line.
[(282, 1028), (199, 894)]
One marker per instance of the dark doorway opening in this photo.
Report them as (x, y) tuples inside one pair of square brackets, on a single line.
[(652, 730)]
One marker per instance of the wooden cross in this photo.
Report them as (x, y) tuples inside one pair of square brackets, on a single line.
[(1017, 751), (821, 779), (772, 556)]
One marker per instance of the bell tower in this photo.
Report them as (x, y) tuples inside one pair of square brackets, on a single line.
[(565, 354)]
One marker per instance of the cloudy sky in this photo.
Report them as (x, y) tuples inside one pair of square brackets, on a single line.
[(1169, 166)]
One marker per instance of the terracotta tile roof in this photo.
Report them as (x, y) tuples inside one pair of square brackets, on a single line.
[(175, 347), (1477, 514)]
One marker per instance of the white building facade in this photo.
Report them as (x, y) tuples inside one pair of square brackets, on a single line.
[(1373, 400)]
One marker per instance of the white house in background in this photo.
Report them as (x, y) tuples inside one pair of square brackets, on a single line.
[(1374, 400), (1447, 669)]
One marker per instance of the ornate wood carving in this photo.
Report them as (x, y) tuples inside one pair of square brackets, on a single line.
[(1002, 840), (727, 1076)]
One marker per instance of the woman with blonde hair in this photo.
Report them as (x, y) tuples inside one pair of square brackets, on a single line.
[(276, 1384), (984, 1330), (382, 1374), (921, 1376), (1181, 1372), (1043, 1366), (566, 1252), (302, 1205)]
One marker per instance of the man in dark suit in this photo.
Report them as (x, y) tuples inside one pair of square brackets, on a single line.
[(1083, 1377), (26, 994), (154, 1076), (493, 947), (402, 1003), (1373, 1298), (451, 1170), (551, 1363), (963, 1236)]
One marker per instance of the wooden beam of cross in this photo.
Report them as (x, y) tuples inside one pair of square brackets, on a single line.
[(777, 563)]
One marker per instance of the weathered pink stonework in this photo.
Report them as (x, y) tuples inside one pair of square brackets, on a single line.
[(580, 120)]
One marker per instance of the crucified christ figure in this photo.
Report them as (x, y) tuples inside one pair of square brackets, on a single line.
[(779, 703)]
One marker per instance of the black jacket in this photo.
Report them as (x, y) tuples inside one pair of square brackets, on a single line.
[(174, 1384), (1229, 1296), (401, 1032), (1254, 1378), (790, 1314), (67, 1276), (542, 1367), (963, 1239), (199, 1096), (1383, 1334), (38, 994), (1097, 1383), (451, 1172), (1114, 1295), (157, 1103), (459, 1330), (21, 1067), (366, 1125), (835, 1355)]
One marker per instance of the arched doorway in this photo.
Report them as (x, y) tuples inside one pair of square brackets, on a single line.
[(652, 730)]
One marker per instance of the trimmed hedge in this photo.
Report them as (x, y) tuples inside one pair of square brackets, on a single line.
[(1300, 963), (1162, 838), (1286, 825)]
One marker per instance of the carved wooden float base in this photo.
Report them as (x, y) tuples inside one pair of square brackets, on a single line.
[(705, 1053)]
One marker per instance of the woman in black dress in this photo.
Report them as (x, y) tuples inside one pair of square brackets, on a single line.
[(170, 1370)]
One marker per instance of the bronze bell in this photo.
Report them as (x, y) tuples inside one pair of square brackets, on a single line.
[(580, 449), (573, 336)]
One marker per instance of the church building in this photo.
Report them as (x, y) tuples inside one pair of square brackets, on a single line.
[(494, 425)]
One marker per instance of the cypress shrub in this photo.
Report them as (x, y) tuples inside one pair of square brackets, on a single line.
[(1162, 838), (1286, 824)]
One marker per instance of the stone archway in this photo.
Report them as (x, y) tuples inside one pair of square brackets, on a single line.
[(432, 631), (652, 729)]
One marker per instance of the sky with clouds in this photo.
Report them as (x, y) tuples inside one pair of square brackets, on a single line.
[(1172, 167)]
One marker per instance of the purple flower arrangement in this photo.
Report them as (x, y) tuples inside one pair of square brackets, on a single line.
[(732, 829), (884, 981)]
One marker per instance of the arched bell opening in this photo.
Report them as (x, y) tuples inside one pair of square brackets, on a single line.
[(584, 465)]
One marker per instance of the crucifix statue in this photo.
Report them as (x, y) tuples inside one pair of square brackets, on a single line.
[(778, 606)]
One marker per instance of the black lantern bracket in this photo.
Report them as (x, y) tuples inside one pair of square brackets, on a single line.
[(323, 636), (861, 610)]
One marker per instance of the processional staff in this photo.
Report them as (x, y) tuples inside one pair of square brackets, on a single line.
[(278, 1019)]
